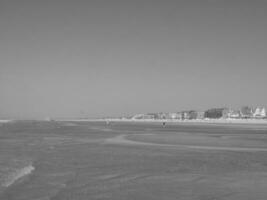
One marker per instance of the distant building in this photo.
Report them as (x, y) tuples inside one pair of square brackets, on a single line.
[(200, 115), (192, 114), (143, 116), (234, 114), (259, 113), (246, 112), (162, 115), (174, 116), (137, 116), (226, 113), (148, 116), (231, 114), (185, 115), (188, 115), (263, 113), (158, 116), (179, 115), (153, 115), (214, 113)]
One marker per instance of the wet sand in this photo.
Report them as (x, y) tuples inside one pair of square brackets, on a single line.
[(92, 160), (123, 140)]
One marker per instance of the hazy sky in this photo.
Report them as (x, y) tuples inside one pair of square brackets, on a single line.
[(97, 58)]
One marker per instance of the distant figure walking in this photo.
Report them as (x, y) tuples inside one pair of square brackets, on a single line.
[(164, 124)]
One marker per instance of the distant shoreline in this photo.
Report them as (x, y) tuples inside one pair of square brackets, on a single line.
[(193, 121), (5, 120), (205, 121)]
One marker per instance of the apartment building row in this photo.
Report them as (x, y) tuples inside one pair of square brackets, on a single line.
[(214, 113)]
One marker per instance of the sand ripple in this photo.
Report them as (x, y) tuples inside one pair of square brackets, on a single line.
[(17, 174), (122, 139)]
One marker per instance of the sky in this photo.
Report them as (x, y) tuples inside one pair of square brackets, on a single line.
[(112, 58)]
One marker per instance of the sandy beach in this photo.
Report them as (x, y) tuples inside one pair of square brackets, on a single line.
[(131, 160)]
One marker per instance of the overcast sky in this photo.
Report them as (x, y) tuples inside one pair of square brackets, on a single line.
[(85, 58)]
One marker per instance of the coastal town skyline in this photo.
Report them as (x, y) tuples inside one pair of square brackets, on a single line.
[(240, 112), (244, 112)]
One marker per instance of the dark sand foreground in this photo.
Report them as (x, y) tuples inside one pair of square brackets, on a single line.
[(92, 160)]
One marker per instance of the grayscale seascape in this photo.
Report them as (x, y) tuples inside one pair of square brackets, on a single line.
[(133, 100), (122, 160)]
